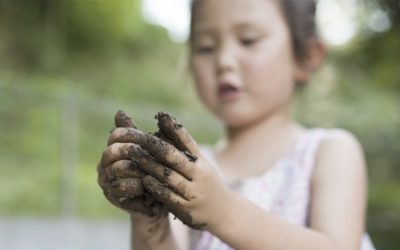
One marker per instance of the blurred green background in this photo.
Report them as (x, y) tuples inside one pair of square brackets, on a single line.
[(67, 66)]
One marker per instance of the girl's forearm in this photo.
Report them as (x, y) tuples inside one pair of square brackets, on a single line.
[(246, 226), (151, 233)]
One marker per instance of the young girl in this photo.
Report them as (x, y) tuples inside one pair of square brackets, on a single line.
[(271, 183)]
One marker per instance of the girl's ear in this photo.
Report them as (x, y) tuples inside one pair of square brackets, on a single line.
[(311, 62)]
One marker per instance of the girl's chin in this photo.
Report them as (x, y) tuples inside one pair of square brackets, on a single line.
[(236, 115), (236, 120)]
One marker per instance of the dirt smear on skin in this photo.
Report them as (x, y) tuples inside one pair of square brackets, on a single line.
[(140, 193), (163, 193), (169, 130), (127, 187), (123, 120)]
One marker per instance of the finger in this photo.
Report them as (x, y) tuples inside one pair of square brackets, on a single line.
[(115, 152), (145, 204), (101, 176), (124, 135), (135, 204), (123, 120), (161, 135), (161, 150), (176, 144), (175, 181), (156, 150), (123, 169), (179, 136), (162, 193), (126, 187), (174, 202)]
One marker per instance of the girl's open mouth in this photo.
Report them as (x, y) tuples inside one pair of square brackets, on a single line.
[(228, 92)]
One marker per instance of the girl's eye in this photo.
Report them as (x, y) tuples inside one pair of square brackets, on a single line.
[(248, 41), (204, 49)]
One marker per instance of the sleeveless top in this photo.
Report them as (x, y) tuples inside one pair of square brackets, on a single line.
[(283, 190)]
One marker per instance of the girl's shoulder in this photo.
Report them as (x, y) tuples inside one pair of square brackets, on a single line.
[(324, 144), (339, 155), (337, 143), (329, 152)]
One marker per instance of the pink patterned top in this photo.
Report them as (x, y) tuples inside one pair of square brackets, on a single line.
[(283, 190)]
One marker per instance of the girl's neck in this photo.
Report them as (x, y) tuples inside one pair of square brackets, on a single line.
[(272, 129), (251, 150)]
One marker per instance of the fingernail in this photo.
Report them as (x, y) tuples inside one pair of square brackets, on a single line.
[(162, 115)]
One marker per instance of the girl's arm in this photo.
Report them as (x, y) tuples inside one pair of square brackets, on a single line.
[(337, 207), (194, 192), (340, 190), (153, 233)]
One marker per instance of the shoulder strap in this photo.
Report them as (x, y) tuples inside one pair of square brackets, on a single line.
[(305, 153), (294, 194)]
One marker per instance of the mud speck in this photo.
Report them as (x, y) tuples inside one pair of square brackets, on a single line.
[(167, 172), (127, 187), (190, 156)]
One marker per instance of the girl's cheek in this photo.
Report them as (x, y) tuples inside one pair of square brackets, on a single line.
[(270, 80), (203, 81), (258, 71), (271, 67), (202, 72)]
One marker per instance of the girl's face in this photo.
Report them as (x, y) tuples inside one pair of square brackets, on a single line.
[(242, 59)]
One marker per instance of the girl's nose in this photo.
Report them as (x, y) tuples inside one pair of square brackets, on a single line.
[(226, 60)]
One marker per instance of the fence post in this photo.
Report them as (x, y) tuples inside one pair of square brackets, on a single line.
[(69, 155)]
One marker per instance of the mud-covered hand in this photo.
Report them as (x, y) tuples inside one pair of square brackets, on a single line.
[(178, 175), (118, 176)]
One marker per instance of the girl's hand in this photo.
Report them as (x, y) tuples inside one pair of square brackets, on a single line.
[(120, 178), (178, 175)]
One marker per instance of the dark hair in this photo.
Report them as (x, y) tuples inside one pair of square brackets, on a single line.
[(300, 17)]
